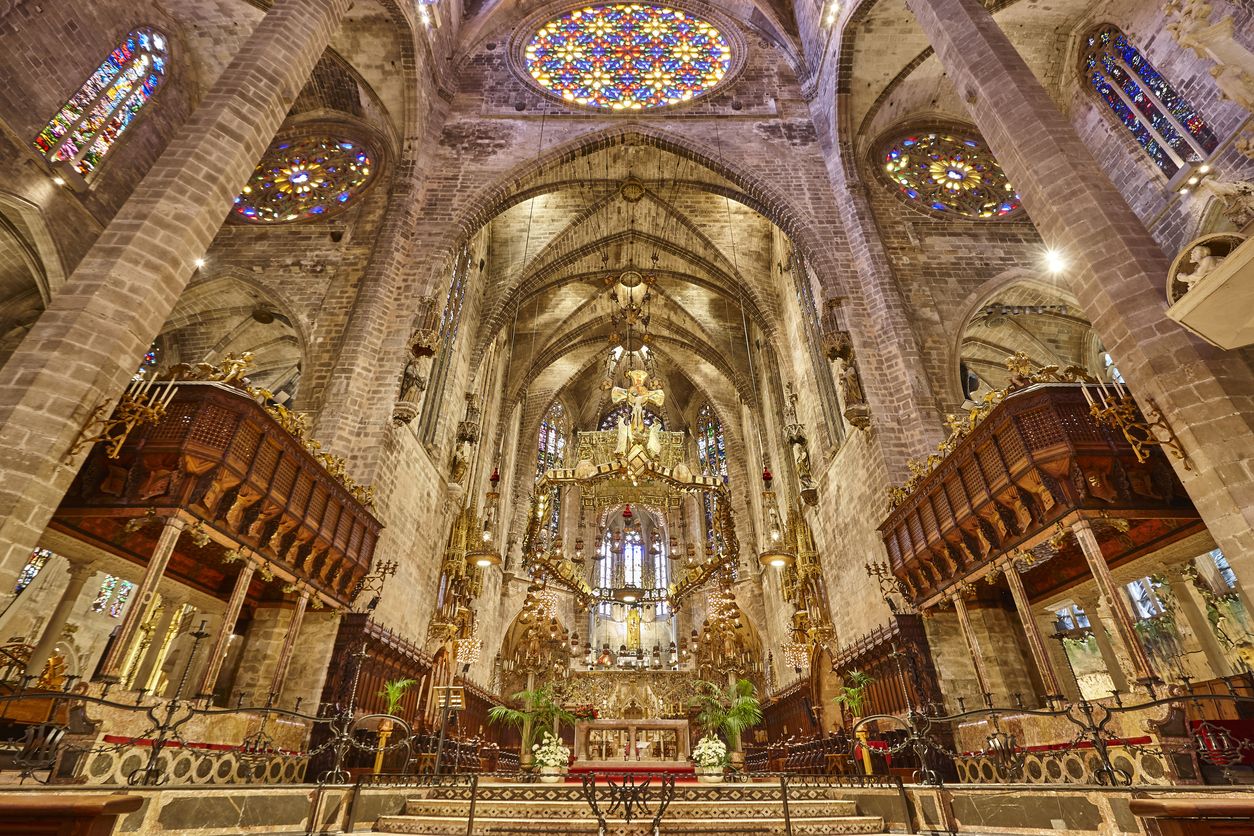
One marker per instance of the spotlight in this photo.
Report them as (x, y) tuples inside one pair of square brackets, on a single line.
[(1203, 169), (200, 262), (1054, 262), (60, 181)]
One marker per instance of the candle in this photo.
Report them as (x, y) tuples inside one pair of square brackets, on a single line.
[(1087, 397)]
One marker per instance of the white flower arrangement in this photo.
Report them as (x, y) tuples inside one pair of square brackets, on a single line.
[(550, 752), (710, 752)]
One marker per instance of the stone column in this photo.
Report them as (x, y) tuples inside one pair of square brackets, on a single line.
[(83, 349), (217, 650), (1186, 598), (1114, 267), (1068, 685), (154, 655), (1117, 664), (973, 644), (79, 574), (289, 643), (143, 597), (1115, 604), (1030, 628)]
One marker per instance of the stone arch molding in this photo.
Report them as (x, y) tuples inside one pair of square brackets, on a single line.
[(493, 198), (983, 295)]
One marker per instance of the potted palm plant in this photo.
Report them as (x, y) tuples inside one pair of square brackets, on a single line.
[(540, 711), (852, 698), (393, 693), (731, 711)]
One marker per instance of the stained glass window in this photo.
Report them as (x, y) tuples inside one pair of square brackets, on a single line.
[(106, 592), (1169, 129), (305, 178), (949, 174), (114, 590), (711, 449), (552, 442), (628, 56), (89, 124), (31, 570), (609, 421)]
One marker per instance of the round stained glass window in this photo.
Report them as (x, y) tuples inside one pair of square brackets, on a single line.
[(628, 56), (948, 174), (305, 178)]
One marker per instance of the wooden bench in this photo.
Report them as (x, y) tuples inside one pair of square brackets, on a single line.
[(59, 814), (1197, 816)]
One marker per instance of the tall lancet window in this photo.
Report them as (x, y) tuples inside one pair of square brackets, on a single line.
[(450, 322), (1166, 126), (712, 455), (550, 453), (87, 126)]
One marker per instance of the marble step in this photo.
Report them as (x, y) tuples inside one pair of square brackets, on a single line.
[(679, 808), (671, 826)]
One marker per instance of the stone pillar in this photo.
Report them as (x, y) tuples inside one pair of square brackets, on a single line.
[(217, 650), (83, 349), (79, 574), (1030, 628), (154, 655), (1117, 663), (143, 597), (1186, 599), (1114, 268), (361, 391), (1068, 685), (1115, 603), (973, 644), (289, 643)]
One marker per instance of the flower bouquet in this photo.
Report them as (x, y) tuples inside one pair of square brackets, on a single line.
[(710, 755), (551, 756)]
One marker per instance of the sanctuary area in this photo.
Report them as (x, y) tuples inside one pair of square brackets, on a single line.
[(712, 417)]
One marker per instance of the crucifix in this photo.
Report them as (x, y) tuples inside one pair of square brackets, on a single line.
[(637, 394)]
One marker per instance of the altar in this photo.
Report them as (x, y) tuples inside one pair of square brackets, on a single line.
[(609, 744)]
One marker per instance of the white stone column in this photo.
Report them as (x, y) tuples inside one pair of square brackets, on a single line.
[(973, 643), (1035, 643), (289, 643), (1117, 665), (79, 574), (142, 599), (217, 650), (1186, 598), (1115, 604)]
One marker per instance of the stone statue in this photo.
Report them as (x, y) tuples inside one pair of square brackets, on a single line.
[(1234, 64), (636, 395), (623, 440), (654, 445), (851, 384), (1237, 199), (1205, 263)]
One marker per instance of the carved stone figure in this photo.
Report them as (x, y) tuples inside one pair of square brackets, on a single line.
[(1205, 263), (1237, 199), (851, 384), (623, 440)]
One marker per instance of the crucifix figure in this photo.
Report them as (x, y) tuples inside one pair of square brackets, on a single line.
[(637, 395)]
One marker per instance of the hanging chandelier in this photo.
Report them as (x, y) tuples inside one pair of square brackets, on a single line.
[(775, 555)]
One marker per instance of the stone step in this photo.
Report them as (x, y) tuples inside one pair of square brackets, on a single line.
[(801, 825), (764, 791), (564, 809)]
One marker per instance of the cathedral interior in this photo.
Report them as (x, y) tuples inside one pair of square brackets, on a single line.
[(739, 416)]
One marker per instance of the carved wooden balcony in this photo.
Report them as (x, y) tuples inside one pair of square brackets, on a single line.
[(242, 482), (1038, 463)]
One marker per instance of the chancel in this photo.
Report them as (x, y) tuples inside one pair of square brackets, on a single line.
[(739, 416)]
